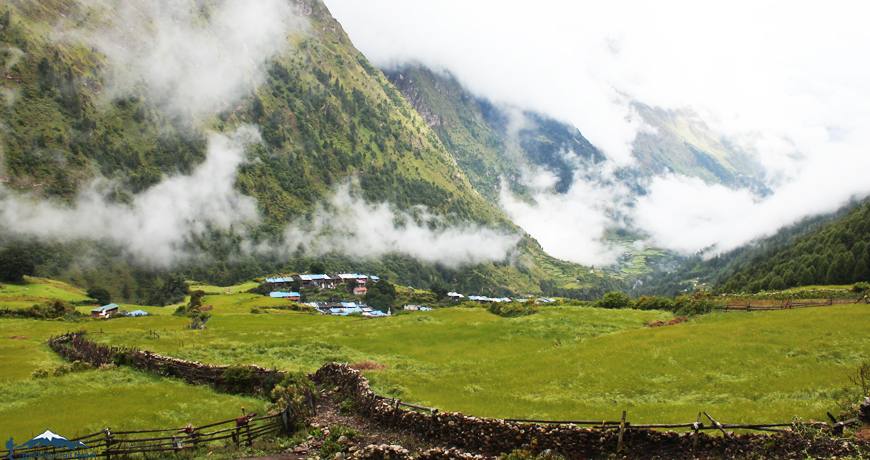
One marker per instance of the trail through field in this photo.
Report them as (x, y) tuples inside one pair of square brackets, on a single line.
[(330, 418)]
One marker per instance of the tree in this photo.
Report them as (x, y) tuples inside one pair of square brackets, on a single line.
[(316, 267), (381, 295), (439, 290), (99, 294), (15, 263), (614, 299)]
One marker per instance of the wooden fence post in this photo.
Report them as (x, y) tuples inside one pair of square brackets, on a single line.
[(619, 445), (717, 425), (696, 427), (395, 409), (108, 434)]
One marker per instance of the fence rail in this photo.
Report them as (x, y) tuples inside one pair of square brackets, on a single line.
[(238, 431), (788, 304)]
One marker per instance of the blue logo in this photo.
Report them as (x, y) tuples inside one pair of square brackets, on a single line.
[(61, 447)]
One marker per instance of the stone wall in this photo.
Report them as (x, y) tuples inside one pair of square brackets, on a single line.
[(232, 379), (493, 436)]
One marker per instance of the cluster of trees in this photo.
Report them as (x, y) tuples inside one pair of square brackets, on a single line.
[(381, 295), (836, 253), (15, 264), (194, 310), (684, 305)]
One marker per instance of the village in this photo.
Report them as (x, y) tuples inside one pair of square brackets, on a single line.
[(342, 294), (291, 287)]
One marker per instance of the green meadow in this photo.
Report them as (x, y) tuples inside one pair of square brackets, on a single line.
[(84, 402), (566, 362), (38, 290)]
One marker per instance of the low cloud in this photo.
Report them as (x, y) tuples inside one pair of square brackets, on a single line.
[(349, 225), (688, 215), (569, 226), (789, 90), (191, 63), (159, 222)]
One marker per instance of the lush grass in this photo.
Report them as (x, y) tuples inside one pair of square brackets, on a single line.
[(88, 401), (563, 362), (38, 290), (84, 402)]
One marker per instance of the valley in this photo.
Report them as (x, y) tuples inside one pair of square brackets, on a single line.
[(562, 362)]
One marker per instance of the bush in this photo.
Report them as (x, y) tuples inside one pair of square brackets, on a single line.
[(512, 309), (337, 441), (861, 287), (614, 299), (687, 305), (654, 303), (52, 310), (298, 393), (99, 294)]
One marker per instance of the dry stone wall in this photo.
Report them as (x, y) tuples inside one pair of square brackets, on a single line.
[(233, 379), (494, 436)]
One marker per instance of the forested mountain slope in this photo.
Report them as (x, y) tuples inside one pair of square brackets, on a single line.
[(326, 117), (828, 249)]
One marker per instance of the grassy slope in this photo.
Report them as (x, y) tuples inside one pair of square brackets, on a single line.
[(561, 363), (38, 290)]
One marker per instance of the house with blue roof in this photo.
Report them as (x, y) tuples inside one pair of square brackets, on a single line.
[(318, 280), (289, 295), (106, 311)]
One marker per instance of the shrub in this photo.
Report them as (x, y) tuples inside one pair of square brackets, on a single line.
[(99, 294), (512, 309), (337, 440), (861, 287), (654, 303), (614, 299), (687, 305), (297, 393)]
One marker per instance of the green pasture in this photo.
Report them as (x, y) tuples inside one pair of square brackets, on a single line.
[(563, 362), (38, 290), (83, 402)]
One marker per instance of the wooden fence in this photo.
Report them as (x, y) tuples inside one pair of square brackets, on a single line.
[(238, 432), (788, 304)]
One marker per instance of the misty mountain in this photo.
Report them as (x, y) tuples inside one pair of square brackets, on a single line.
[(490, 142), (129, 163), (827, 249)]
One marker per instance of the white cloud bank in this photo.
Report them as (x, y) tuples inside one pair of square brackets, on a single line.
[(569, 226), (189, 64), (158, 223), (349, 225), (786, 82)]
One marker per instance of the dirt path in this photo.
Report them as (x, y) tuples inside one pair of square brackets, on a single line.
[(333, 424)]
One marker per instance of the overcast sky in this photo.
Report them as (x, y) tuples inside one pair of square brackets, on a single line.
[(787, 81)]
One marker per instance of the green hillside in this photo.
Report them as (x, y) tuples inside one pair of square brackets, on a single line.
[(831, 249), (325, 114), (489, 142)]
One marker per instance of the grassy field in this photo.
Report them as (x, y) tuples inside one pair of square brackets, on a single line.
[(84, 402), (38, 290), (563, 362)]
